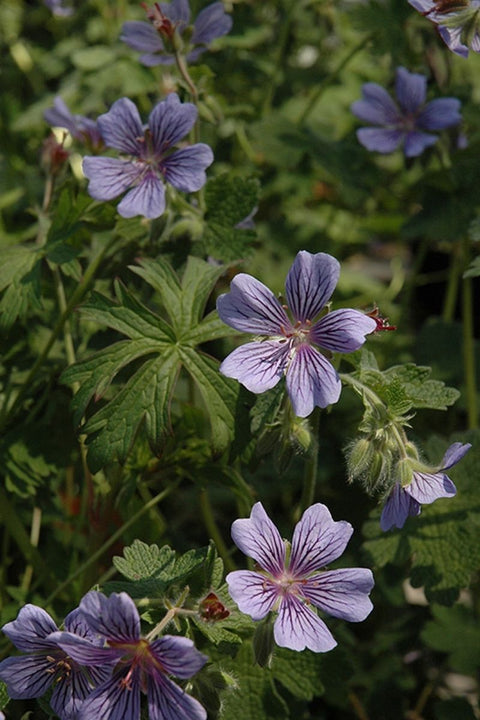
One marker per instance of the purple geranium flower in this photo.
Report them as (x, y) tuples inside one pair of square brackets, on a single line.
[(406, 122), (424, 488), (80, 127), (457, 22), (151, 161), (141, 666), (171, 19), (59, 7), (288, 347), (289, 582), (47, 665)]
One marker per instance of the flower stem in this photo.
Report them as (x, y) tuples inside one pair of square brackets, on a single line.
[(451, 294), (214, 531), (311, 465)]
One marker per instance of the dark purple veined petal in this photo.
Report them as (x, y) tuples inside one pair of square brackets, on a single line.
[(110, 177), (85, 652), (30, 631), (417, 142), (454, 454), (311, 381), (70, 692), (425, 488), (377, 107), (141, 36), (122, 128), (342, 330), (440, 114), (147, 199), (341, 593), (258, 538), (317, 540), (297, 627), (211, 22), (310, 283), (382, 140), (254, 594), (28, 676), (185, 169), (398, 507), (167, 701), (259, 366), (115, 699), (411, 90), (115, 617), (251, 307), (178, 655), (169, 122)]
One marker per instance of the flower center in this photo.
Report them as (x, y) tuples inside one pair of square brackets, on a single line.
[(298, 333)]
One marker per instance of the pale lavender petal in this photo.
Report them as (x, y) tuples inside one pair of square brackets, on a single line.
[(122, 128), (178, 11), (185, 169), (341, 593), (417, 142), (380, 140), (259, 366), (259, 538), (423, 6), (297, 627), (147, 199), (251, 307), (60, 116), (310, 283), (411, 90), (30, 631), (212, 22), (152, 59), (317, 540), (440, 114), (84, 651), (426, 488), (342, 330), (452, 37), (169, 122), (454, 454), (110, 177), (141, 36), (254, 594), (28, 676), (178, 655), (311, 380), (398, 507), (167, 701), (115, 617), (377, 107), (114, 700)]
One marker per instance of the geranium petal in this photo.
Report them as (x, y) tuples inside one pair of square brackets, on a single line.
[(310, 283), (60, 116), (110, 177), (185, 169), (454, 454), (259, 366), (84, 651), (377, 107), (311, 380), (122, 128), (141, 36), (411, 90), (254, 594), (297, 627), (417, 142), (115, 617), (342, 330), (212, 22), (178, 11), (252, 307), (382, 140), (178, 655), (169, 122), (30, 631), (147, 199), (153, 59), (317, 540), (398, 507), (259, 538), (70, 692), (29, 676), (114, 699), (341, 593), (440, 114), (425, 488), (167, 701)]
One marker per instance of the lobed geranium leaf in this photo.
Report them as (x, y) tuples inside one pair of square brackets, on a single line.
[(142, 561), (455, 631)]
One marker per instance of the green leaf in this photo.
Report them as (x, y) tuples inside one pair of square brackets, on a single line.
[(142, 561), (20, 279), (455, 631), (299, 672), (4, 698)]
